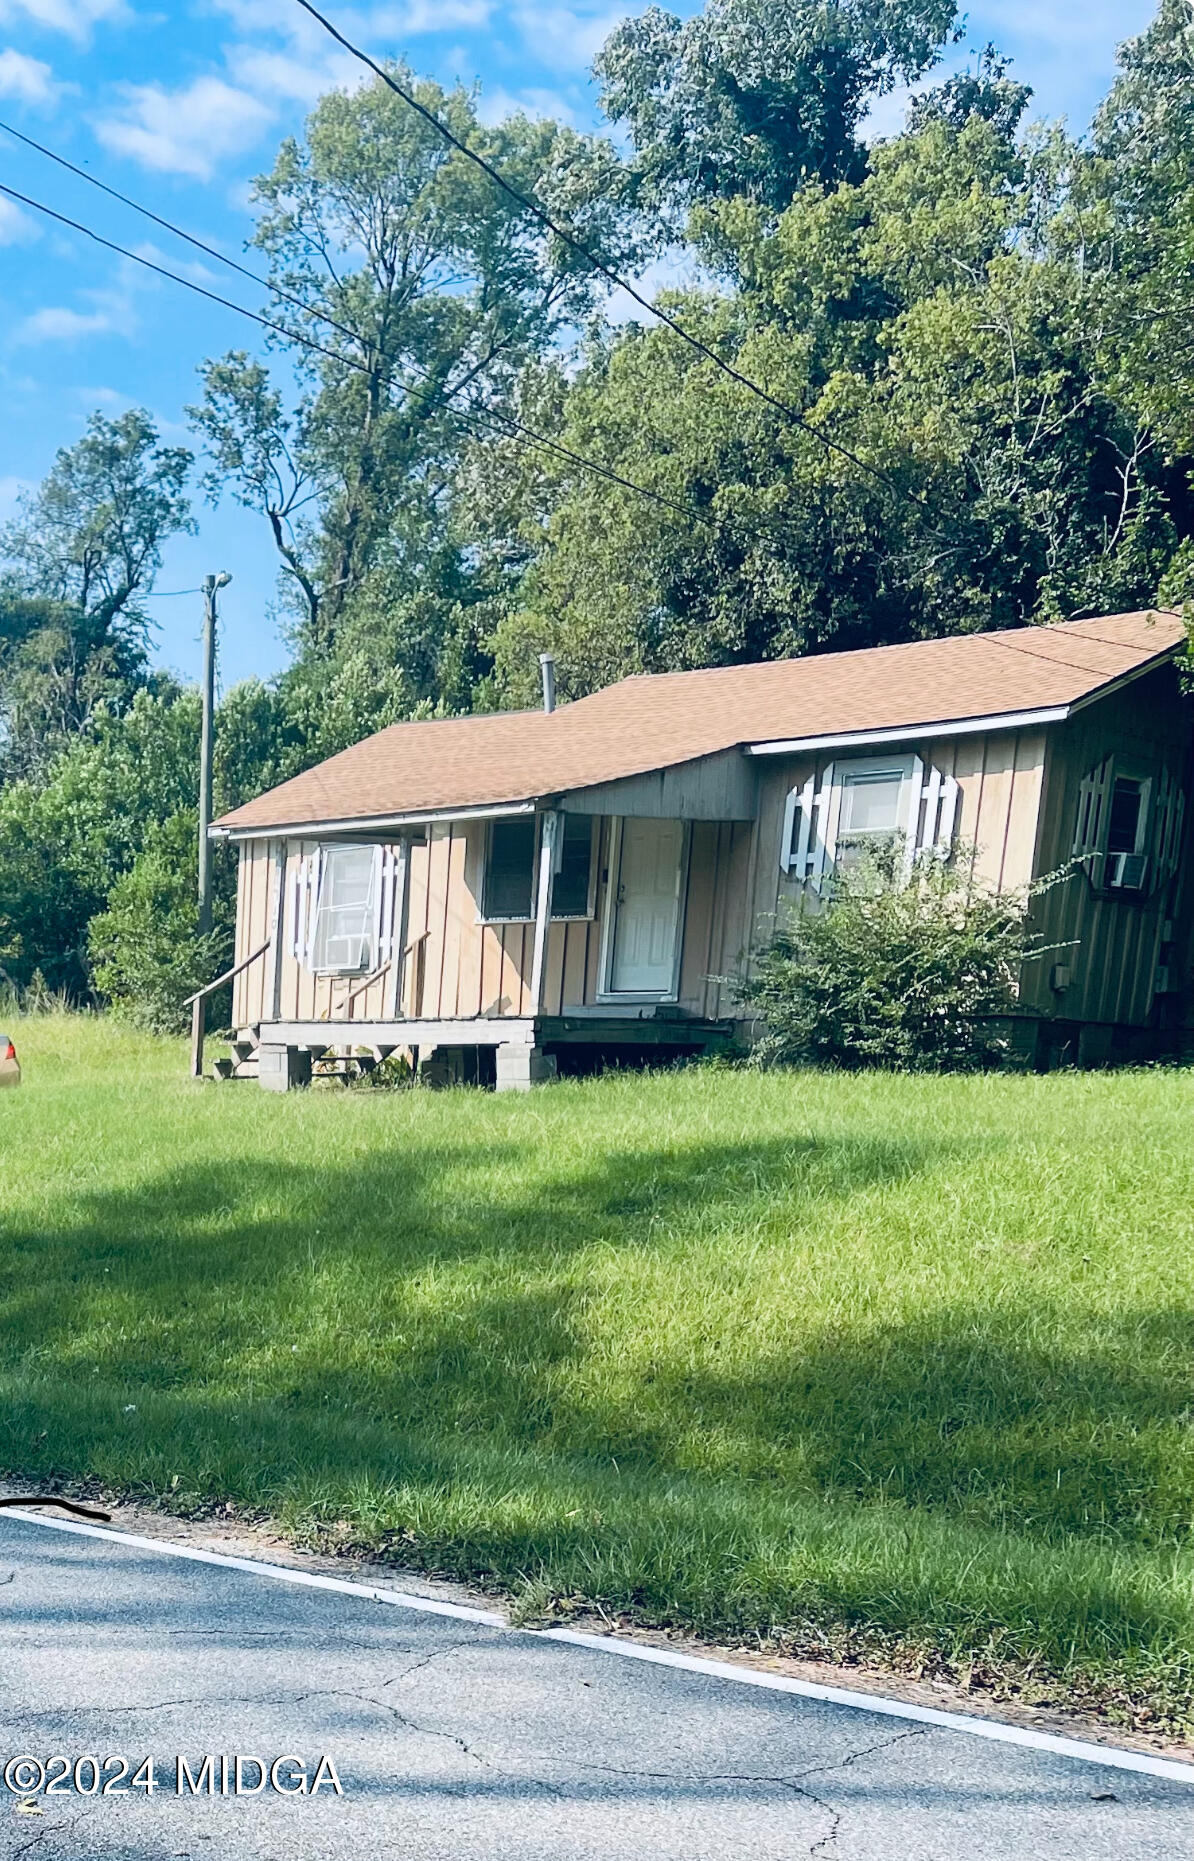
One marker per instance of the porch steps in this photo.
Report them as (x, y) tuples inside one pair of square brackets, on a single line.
[(241, 1063)]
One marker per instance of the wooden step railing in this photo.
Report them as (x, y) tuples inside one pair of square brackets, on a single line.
[(197, 1003)]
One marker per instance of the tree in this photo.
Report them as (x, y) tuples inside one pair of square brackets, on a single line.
[(1137, 218), (424, 287), (752, 99), (986, 92), (67, 837), (932, 319), (81, 553), (146, 952)]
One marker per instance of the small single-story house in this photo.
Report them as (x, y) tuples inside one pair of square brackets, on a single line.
[(524, 891)]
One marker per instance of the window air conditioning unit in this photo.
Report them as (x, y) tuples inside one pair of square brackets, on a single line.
[(1126, 872)]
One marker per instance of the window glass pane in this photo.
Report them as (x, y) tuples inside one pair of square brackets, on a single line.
[(344, 919), (510, 869), (871, 804), (570, 893), (1124, 825)]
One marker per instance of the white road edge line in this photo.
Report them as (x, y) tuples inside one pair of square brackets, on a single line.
[(1113, 1756)]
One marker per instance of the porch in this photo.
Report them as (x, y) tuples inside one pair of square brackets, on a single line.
[(501, 945)]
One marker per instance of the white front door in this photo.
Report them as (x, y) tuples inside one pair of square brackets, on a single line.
[(646, 908)]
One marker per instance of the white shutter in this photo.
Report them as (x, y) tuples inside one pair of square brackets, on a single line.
[(936, 827), (384, 942), (914, 783), (314, 880), (1092, 803), (1167, 828), (295, 907), (377, 879), (823, 829), (948, 815), (798, 822)]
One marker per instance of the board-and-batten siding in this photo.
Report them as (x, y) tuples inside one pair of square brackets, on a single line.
[(1114, 944), (999, 779), (461, 967)]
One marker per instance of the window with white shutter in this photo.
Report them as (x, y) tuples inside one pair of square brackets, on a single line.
[(1128, 828), (345, 933), (853, 809)]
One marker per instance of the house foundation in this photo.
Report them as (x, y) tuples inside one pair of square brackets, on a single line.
[(519, 1068), (283, 1069)]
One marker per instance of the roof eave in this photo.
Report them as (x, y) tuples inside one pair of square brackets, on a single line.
[(908, 733), (962, 726), (366, 824)]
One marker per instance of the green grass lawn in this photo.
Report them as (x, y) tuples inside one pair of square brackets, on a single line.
[(893, 1364)]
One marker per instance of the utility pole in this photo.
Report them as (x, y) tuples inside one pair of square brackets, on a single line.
[(211, 587)]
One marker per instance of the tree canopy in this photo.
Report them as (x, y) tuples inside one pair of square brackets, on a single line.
[(972, 341)]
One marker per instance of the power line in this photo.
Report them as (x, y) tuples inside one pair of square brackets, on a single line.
[(503, 421), (506, 424), (309, 310), (576, 245), (179, 232)]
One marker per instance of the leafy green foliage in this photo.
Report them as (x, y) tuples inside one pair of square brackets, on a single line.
[(66, 839), (425, 287), (147, 954), (992, 323), (910, 972), (82, 552), (931, 318), (751, 98)]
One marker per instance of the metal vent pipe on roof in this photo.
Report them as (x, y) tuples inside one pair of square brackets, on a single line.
[(547, 666)]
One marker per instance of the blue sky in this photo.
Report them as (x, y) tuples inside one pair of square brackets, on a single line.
[(180, 106)]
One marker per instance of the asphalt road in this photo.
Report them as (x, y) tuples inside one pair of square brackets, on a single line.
[(458, 1740)]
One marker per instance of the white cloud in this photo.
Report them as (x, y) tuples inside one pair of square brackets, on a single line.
[(194, 269), (108, 312), (369, 26), (73, 17), (15, 226), (26, 78), (111, 398), (280, 74), (562, 38), (59, 323), (188, 131), (496, 104)]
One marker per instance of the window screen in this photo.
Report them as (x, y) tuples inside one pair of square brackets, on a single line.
[(510, 868), (1123, 830), (871, 803), (570, 893), (869, 822), (344, 917)]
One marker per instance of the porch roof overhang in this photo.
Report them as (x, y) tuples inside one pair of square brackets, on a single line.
[(369, 825)]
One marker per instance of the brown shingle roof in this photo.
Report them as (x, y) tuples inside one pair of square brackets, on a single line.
[(653, 721)]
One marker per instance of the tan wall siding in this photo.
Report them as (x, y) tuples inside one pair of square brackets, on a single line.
[(253, 908), (999, 779)]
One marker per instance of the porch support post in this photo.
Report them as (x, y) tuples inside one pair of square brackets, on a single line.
[(400, 926), (277, 925), (547, 873)]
